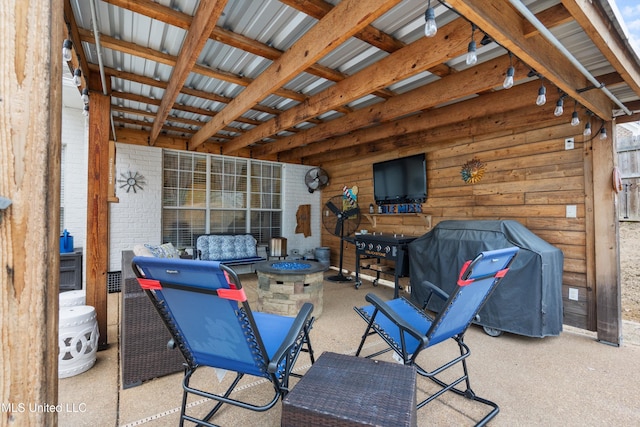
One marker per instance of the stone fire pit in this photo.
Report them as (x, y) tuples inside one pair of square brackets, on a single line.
[(284, 286)]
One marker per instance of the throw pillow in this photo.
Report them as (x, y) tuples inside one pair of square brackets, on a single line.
[(165, 250)]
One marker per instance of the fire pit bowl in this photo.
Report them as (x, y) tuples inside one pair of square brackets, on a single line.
[(284, 286), (290, 267)]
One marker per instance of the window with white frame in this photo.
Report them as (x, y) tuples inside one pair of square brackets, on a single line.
[(219, 194)]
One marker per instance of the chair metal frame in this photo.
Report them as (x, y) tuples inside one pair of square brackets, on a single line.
[(408, 329), (205, 308)]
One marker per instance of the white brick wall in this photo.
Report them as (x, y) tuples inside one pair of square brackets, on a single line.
[(74, 137), (295, 193), (136, 219)]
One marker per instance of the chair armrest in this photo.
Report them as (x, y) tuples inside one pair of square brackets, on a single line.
[(290, 340), (392, 315), (435, 290)]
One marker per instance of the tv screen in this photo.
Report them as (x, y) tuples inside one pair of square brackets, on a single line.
[(400, 181)]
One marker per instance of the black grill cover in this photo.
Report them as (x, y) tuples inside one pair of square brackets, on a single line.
[(528, 301)]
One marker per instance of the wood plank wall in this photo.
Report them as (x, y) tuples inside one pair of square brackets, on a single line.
[(529, 177)]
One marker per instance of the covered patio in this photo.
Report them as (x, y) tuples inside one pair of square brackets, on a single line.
[(529, 90)]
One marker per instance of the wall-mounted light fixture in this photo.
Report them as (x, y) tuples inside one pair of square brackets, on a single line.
[(67, 45), (430, 27)]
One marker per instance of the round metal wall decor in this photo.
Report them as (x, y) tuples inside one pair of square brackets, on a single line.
[(132, 181), (473, 170)]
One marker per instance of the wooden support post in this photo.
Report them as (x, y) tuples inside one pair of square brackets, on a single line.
[(30, 140), (97, 245), (607, 260)]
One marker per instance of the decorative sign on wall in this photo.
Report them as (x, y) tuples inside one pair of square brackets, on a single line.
[(473, 170)]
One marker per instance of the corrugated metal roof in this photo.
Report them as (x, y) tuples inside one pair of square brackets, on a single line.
[(150, 47)]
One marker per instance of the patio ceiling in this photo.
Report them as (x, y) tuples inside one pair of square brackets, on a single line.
[(285, 79)]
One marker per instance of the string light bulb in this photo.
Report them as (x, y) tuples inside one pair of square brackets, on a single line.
[(66, 50), (587, 129), (603, 132), (508, 80), (85, 95), (542, 95), (85, 110), (77, 77), (559, 107), (575, 120), (430, 27), (472, 57)]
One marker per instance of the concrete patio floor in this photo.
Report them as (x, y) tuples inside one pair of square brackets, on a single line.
[(569, 380)]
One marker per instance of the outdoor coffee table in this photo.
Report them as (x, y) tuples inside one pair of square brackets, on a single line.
[(341, 390), (284, 286)]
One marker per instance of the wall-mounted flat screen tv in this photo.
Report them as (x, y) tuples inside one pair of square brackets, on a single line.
[(402, 180)]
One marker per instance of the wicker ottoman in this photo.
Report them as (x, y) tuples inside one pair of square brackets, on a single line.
[(341, 390)]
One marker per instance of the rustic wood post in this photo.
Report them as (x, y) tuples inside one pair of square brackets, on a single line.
[(97, 244), (30, 139), (607, 261)]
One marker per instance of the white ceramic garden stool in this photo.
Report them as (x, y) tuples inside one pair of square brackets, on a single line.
[(72, 298), (77, 340)]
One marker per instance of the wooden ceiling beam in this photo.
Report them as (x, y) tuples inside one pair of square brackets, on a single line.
[(175, 142), (506, 26), (239, 41), (598, 28), (518, 96), (551, 17), (186, 132), (444, 132), (342, 22), (151, 115), (170, 60), (206, 114), (74, 36), (319, 9), (204, 21), (137, 78), (465, 83), (450, 42)]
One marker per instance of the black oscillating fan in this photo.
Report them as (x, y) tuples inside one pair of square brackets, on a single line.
[(341, 219)]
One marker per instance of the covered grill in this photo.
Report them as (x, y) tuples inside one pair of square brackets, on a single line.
[(529, 299)]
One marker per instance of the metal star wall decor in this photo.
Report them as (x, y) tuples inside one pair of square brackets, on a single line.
[(131, 181)]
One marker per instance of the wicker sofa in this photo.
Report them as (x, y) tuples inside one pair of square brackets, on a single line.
[(229, 249), (144, 337), (144, 354)]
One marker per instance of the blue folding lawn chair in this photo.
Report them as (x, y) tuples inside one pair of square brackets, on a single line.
[(408, 329), (205, 308)]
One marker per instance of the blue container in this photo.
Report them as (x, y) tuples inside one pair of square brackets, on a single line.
[(66, 242)]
